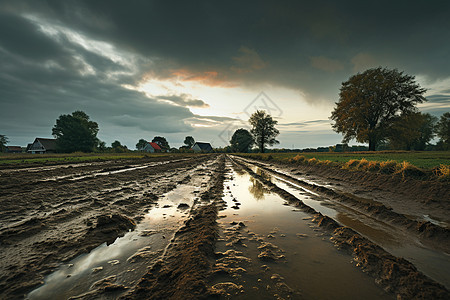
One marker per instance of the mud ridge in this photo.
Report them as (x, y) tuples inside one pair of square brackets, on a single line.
[(395, 275), (54, 222), (187, 262), (425, 229)]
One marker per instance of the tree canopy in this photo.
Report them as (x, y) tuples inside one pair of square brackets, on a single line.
[(411, 131), (263, 131), (141, 144), (370, 101), (75, 132), (118, 147), (443, 131), (3, 142), (189, 141), (242, 140), (162, 142)]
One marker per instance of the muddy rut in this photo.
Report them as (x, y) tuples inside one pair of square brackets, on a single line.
[(206, 227)]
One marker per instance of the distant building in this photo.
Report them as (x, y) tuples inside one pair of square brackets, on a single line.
[(202, 147), (151, 147), (41, 146), (13, 149)]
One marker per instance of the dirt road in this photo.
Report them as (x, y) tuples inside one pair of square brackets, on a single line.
[(209, 226)]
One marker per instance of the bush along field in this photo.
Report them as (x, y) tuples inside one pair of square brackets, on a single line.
[(419, 165)]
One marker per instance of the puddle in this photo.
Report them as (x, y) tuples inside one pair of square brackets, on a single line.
[(74, 177), (128, 257), (434, 264), (306, 260)]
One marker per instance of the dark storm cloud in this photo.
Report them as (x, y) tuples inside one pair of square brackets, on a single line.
[(62, 76), (310, 46)]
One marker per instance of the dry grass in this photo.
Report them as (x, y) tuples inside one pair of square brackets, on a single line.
[(388, 167), (442, 172), (407, 169)]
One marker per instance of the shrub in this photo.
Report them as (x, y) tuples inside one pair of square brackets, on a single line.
[(373, 166), (388, 167), (352, 163), (312, 161), (442, 172), (363, 164), (297, 159), (407, 169)]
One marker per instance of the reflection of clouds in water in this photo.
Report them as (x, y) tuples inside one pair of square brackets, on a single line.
[(257, 189)]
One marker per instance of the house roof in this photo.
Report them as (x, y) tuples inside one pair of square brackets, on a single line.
[(49, 144), (203, 146), (14, 148), (155, 146)]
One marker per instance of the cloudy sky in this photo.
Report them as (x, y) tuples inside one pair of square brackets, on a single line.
[(177, 68)]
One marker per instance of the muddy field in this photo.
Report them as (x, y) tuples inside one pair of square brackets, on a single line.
[(219, 227)]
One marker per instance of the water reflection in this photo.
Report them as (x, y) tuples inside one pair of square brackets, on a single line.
[(257, 189)]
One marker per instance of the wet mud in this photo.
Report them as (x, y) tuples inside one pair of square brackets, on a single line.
[(191, 228), (46, 223), (431, 233), (395, 275)]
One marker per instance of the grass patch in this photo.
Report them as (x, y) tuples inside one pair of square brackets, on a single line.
[(402, 163)]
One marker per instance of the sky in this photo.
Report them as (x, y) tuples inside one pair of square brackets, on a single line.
[(200, 68)]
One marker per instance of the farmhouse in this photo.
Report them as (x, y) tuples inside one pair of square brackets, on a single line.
[(202, 147), (41, 146), (13, 149), (151, 147)]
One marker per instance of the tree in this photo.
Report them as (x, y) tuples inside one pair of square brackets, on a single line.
[(242, 140), (411, 131), (370, 101), (189, 141), (141, 144), (3, 141), (443, 131), (118, 147), (264, 131), (75, 132), (162, 142), (101, 146)]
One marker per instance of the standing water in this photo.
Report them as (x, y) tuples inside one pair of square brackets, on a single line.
[(282, 253)]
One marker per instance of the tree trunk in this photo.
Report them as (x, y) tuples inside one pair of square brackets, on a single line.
[(372, 145)]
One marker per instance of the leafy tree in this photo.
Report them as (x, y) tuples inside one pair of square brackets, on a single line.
[(162, 142), (411, 131), (263, 131), (141, 144), (75, 132), (118, 147), (3, 141), (370, 101), (189, 141), (443, 131), (101, 146), (242, 140)]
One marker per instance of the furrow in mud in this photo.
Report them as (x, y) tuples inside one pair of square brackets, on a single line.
[(64, 219), (182, 271), (395, 275), (438, 236)]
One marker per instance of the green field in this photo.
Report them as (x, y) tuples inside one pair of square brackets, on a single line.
[(9, 158), (424, 160)]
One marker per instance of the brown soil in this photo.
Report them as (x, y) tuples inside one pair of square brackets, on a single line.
[(181, 273), (396, 275), (47, 218), (437, 236)]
